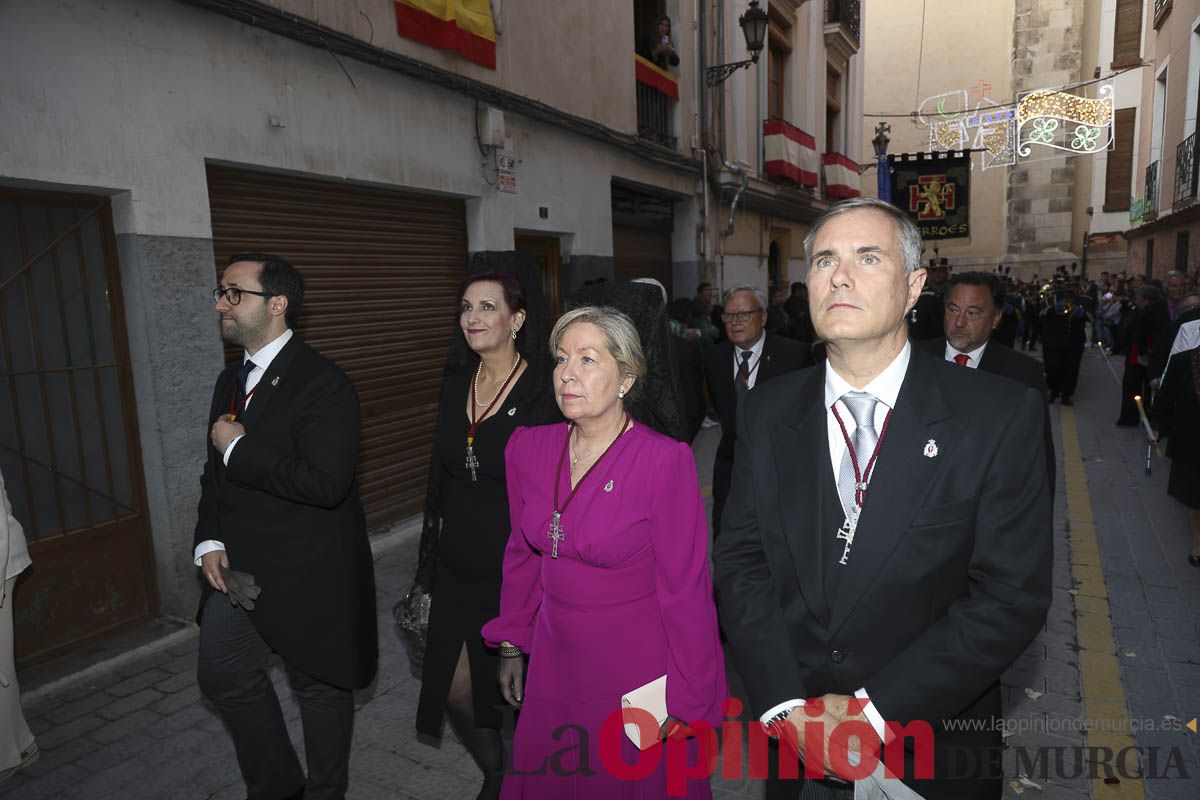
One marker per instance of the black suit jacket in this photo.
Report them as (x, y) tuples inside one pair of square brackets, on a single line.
[(288, 512), (949, 577), (779, 356), (1176, 410), (1006, 362)]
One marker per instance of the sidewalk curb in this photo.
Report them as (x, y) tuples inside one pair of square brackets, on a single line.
[(401, 533)]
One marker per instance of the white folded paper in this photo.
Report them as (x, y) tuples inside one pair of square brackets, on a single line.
[(651, 698)]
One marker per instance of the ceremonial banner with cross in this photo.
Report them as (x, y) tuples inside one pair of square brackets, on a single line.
[(934, 189)]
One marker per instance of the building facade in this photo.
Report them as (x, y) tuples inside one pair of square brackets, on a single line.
[(951, 76), (1165, 219), (785, 137), (1118, 47), (380, 148)]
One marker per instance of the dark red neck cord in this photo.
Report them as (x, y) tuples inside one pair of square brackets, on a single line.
[(233, 409), (562, 458), (861, 476), (475, 422)]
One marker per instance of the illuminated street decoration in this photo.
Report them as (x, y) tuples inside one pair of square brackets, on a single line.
[(1049, 118), (954, 125), (1067, 122)]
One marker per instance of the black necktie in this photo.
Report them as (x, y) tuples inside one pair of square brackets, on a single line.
[(743, 377), (240, 395)]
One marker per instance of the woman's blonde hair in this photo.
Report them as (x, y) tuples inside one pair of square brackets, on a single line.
[(621, 335)]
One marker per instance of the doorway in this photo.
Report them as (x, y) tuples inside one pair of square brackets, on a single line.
[(547, 253), (69, 444)]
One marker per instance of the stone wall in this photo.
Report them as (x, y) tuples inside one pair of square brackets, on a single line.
[(1047, 52)]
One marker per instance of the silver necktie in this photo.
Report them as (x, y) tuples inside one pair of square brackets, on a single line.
[(862, 408)]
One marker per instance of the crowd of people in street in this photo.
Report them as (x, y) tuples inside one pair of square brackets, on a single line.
[(882, 526)]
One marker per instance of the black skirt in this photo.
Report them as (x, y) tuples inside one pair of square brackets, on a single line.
[(1184, 483), (459, 610)]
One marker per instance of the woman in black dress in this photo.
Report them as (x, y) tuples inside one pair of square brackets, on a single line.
[(497, 378), (1176, 415)]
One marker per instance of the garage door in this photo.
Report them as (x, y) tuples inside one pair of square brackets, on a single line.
[(381, 269)]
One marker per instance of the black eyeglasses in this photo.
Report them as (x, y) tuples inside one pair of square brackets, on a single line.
[(233, 295), (740, 316)]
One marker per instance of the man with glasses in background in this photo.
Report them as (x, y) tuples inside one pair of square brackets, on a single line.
[(281, 541), (748, 356)]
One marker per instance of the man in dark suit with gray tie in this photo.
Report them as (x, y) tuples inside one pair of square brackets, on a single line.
[(974, 309), (748, 357), (886, 544), (279, 507)]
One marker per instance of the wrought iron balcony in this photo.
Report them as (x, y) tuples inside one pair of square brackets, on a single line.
[(1152, 191), (1185, 171), (846, 13), (654, 116), (1161, 9)]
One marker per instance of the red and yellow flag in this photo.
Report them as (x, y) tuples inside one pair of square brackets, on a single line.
[(462, 25)]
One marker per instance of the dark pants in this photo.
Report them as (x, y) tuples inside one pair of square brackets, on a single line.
[(1135, 382), (1032, 328), (1062, 369), (233, 676), (778, 788), (722, 479)]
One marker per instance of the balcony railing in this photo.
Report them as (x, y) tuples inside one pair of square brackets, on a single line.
[(654, 116), (1185, 171), (1152, 191), (846, 13), (657, 91), (1161, 9)]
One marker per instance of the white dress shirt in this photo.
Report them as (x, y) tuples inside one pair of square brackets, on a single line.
[(972, 357), (885, 388), (262, 360), (756, 351)]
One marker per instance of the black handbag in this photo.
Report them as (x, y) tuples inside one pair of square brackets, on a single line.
[(412, 611)]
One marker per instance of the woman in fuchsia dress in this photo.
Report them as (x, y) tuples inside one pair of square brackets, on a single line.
[(613, 596)]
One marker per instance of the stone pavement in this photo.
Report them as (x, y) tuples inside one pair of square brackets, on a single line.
[(139, 729)]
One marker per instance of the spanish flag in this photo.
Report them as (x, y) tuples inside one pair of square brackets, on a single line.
[(462, 25)]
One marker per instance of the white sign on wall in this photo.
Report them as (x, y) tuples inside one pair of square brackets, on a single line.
[(506, 172)]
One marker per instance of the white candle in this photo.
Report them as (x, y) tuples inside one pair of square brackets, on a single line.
[(1137, 398)]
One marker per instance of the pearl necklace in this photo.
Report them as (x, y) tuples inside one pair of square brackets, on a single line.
[(475, 383)]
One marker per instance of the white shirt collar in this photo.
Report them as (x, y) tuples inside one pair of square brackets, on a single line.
[(885, 387), (973, 355), (756, 350), (264, 357)]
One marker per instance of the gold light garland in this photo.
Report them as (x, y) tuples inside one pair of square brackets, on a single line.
[(1097, 112)]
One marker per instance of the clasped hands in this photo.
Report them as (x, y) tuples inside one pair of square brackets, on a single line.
[(835, 710), (224, 431)]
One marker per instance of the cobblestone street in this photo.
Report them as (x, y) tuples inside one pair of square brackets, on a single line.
[(137, 728)]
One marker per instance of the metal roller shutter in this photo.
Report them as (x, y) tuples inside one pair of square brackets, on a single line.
[(381, 268)]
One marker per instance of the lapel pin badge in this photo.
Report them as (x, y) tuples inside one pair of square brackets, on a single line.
[(608, 487), (931, 450), (275, 381), (512, 411)]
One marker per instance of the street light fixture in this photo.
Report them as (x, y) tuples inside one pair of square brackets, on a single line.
[(883, 173), (881, 140), (754, 27)]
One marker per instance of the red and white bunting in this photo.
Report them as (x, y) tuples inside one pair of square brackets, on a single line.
[(841, 176), (790, 153)]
